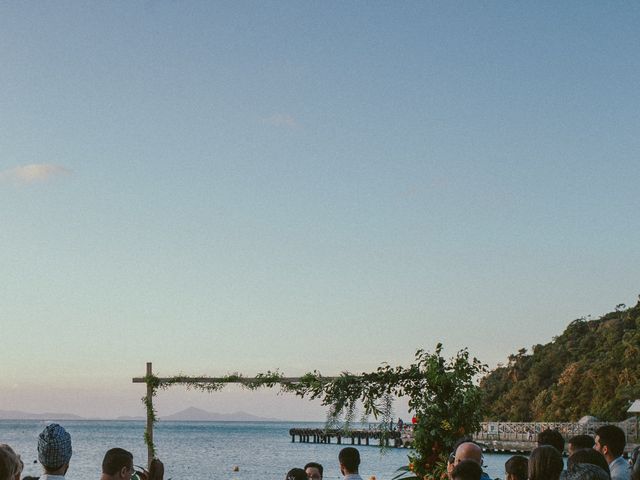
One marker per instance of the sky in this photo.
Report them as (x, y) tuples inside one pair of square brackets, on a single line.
[(224, 187)]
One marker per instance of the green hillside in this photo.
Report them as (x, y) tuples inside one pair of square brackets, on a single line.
[(593, 368)]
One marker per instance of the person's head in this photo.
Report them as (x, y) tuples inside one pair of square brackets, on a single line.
[(545, 463), (579, 442), (551, 437), (117, 464), (296, 474), (10, 463), (466, 470), (313, 470), (584, 471), (54, 449), (349, 459), (468, 451), (588, 456), (516, 468), (610, 441)]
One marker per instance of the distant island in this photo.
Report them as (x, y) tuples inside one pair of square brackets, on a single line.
[(190, 414)]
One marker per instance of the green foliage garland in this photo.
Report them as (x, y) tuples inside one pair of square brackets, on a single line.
[(442, 396)]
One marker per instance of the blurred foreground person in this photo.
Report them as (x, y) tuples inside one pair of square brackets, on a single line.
[(466, 470), (545, 463), (516, 468), (10, 463)]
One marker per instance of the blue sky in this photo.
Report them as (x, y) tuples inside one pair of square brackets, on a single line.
[(244, 186)]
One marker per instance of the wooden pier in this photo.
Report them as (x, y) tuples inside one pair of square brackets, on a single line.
[(495, 437), (349, 437)]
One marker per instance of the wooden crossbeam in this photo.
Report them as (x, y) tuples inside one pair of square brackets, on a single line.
[(223, 380), (187, 380)]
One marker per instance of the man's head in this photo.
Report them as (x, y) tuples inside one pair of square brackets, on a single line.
[(54, 449), (610, 441), (468, 451), (466, 470), (579, 442), (516, 468), (465, 450), (10, 463), (349, 459), (117, 464), (551, 437), (313, 470)]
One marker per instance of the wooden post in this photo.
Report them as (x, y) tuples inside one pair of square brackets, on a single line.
[(149, 419)]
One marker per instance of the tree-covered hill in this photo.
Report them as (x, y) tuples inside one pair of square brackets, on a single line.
[(593, 368)]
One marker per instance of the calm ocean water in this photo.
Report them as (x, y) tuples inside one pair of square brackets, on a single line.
[(206, 450)]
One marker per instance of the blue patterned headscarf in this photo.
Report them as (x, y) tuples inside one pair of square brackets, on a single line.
[(54, 446)]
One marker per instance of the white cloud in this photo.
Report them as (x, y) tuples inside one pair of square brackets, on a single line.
[(282, 120), (35, 172)]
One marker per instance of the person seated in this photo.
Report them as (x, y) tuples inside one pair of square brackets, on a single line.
[(545, 463), (610, 441), (584, 471), (10, 464), (313, 470), (467, 470), (117, 465), (588, 456), (579, 442), (296, 474), (553, 438), (465, 449), (516, 468), (54, 451)]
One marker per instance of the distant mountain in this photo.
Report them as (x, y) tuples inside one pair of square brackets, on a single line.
[(196, 414), (18, 415), (129, 418)]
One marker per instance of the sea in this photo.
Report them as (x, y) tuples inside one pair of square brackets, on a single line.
[(208, 450)]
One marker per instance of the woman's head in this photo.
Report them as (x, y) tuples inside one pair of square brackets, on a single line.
[(545, 463), (10, 463)]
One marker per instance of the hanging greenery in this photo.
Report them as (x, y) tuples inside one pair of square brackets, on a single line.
[(443, 397)]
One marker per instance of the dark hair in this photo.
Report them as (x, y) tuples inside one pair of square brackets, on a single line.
[(467, 470), (588, 455), (582, 441), (296, 474), (551, 437), (545, 463), (314, 465), (115, 459), (349, 457), (613, 437), (517, 466)]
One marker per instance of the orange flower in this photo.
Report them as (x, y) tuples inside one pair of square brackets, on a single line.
[(411, 467)]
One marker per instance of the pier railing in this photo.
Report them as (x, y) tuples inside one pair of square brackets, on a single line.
[(521, 431)]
